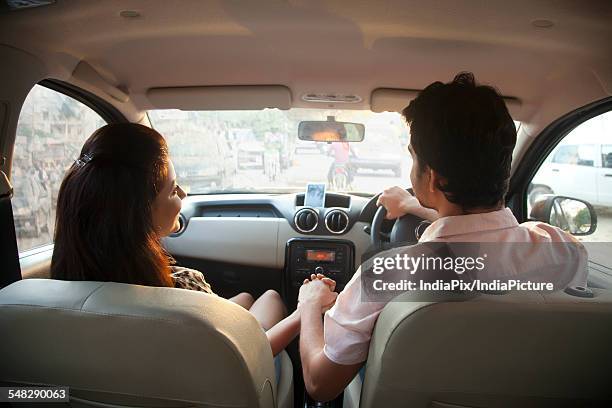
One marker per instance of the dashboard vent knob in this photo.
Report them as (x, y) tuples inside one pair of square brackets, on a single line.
[(336, 221), (306, 220)]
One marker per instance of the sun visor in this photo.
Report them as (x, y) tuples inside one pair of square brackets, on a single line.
[(391, 100), (395, 100), (241, 97)]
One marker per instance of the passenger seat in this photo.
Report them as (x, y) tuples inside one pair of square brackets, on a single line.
[(124, 345)]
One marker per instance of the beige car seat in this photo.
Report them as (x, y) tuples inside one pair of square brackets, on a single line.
[(513, 350), (123, 345)]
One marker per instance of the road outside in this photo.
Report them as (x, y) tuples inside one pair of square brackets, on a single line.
[(313, 168), (603, 233)]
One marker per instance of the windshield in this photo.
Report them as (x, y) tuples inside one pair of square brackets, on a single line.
[(259, 151)]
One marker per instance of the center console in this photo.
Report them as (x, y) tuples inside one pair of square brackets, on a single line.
[(333, 258)]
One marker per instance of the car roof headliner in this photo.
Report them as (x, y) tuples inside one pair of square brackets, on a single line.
[(345, 47)]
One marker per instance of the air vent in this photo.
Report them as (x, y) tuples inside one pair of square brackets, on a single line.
[(336, 221), (306, 220), (252, 211), (182, 225)]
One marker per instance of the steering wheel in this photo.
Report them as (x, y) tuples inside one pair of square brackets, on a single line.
[(406, 229)]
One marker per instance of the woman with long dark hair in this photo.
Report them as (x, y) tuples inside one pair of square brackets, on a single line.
[(115, 203)]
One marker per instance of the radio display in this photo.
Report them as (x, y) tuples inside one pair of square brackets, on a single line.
[(317, 255)]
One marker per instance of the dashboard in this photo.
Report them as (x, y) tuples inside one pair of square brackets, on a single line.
[(253, 241), (254, 229)]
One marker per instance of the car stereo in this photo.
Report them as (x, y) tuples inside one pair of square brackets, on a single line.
[(332, 258)]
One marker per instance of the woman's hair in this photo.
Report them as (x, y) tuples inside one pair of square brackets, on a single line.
[(464, 132), (104, 229)]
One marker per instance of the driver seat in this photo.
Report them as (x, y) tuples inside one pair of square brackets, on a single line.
[(460, 350), (119, 345)]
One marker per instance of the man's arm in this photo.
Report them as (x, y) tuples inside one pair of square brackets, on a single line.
[(323, 378)]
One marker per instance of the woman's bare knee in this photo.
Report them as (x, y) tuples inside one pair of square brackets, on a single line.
[(243, 299), (274, 297), (269, 309), (248, 297), (272, 294)]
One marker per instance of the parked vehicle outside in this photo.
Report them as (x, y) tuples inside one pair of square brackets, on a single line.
[(250, 150), (203, 159), (580, 166), (380, 150)]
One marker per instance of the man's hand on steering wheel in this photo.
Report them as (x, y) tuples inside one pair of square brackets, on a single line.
[(399, 202), (396, 201)]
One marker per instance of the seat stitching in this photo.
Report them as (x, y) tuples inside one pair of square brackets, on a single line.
[(94, 313), (88, 296)]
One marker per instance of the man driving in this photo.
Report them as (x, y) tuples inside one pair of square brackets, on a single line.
[(462, 139)]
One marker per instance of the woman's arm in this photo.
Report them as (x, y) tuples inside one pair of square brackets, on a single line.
[(282, 333)]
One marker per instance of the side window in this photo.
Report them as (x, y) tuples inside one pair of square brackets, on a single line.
[(587, 155), (606, 156), (580, 155), (566, 155), (50, 133), (581, 167)]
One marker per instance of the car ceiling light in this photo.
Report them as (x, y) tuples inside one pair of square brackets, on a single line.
[(129, 14), (542, 23), (24, 4), (327, 98)]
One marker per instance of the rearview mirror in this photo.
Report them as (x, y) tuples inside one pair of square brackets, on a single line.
[(572, 215), (331, 131)]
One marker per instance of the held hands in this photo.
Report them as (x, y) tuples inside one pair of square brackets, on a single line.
[(318, 291), (328, 281)]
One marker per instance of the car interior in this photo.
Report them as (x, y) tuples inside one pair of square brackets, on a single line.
[(228, 83)]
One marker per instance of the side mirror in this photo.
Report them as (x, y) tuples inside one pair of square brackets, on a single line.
[(572, 215)]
